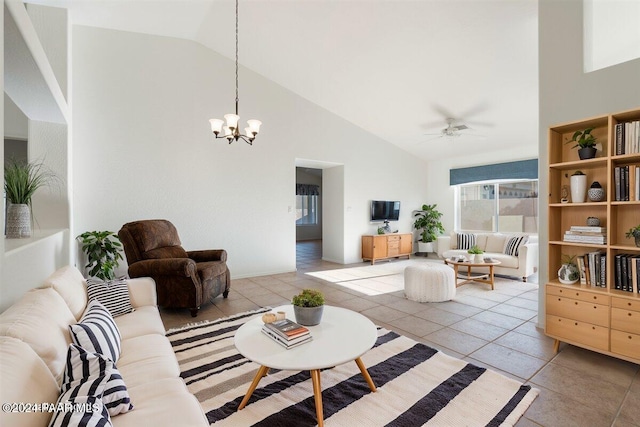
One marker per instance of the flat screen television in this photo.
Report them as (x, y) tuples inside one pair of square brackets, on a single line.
[(385, 210)]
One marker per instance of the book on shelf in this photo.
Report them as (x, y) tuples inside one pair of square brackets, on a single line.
[(287, 329), (627, 137), (284, 342), (627, 183), (585, 237), (588, 228), (627, 267), (581, 268)]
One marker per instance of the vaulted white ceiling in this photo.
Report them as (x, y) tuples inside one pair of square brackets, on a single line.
[(395, 68)]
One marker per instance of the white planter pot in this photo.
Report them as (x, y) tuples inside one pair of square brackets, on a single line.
[(478, 258), (578, 188), (425, 247), (18, 221)]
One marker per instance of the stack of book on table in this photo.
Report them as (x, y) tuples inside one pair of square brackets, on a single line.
[(586, 234), (287, 333)]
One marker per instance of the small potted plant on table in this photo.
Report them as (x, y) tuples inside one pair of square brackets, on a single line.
[(476, 254), (634, 232), (308, 306)]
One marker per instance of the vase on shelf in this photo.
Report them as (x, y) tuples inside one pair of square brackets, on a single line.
[(638, 241), (18, 221), (596, 192), (593, 221), (568, 274), (578, 187)]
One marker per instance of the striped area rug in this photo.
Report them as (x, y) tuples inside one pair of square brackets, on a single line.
[(417, 385)]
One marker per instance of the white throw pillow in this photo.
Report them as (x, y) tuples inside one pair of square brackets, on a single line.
[(113, 294), (97, 332)]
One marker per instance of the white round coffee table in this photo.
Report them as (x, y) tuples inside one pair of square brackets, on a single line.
[(342, 336)]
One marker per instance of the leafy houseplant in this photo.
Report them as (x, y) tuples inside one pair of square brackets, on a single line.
[(103, 253), (634, 232), (308, 307), (476, 252), (21, 180), (429, 225), (568, 272), (586, 142)]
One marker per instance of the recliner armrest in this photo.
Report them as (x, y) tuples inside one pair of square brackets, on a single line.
[(208, 255), (163, 267)]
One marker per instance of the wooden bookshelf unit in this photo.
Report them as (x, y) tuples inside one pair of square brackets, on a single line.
[(599, 318)]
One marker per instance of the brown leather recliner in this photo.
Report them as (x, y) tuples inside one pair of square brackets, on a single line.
[(184, 279)]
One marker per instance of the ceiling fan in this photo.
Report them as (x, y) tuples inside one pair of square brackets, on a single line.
[(453, 130)]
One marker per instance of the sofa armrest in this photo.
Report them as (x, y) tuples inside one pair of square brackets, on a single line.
[(142, 292), (528, 258), (208, 255), (184, 267), (443, 244)]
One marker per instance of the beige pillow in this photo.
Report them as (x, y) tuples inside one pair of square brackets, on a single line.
[(495, 243)]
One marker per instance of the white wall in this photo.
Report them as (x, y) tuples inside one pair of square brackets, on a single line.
[(15, 122), (567, 93), (143, 149)]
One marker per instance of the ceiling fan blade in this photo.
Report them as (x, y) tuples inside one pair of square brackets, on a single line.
[(460, 127)]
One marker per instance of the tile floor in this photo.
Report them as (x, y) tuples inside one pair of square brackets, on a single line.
[(494, 329)]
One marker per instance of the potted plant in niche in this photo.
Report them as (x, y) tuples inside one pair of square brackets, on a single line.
[(586, 142), (308, 306), (476, 253), (634, 232), (429, 226), (568, 272), (103, 253), (21, 180)]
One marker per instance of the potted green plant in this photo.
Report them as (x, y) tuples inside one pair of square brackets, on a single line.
[(429, 226), (586, 142), (103, 253), (568, 272), (476, 254), (21, 180), (308, 306), (634, 232)]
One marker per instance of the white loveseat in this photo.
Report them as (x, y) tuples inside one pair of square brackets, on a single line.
[(34, 338), (493, 245)]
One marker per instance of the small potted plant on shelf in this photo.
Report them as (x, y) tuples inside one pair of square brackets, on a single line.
[(21, 181), (103, 253), (308, 306), (586, 142), (476, 253), (634, 232), (568, 272), (428, 224)]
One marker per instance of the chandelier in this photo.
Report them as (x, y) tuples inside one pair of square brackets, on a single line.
[(231, 130)]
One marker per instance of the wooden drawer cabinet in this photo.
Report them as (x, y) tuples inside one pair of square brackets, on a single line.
[(625, 320), (627, 304), (574, 331), (589, 312), (578, 294), (625, 343), (384, 246)]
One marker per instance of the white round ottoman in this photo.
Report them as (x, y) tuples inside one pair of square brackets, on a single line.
[(429, 283)]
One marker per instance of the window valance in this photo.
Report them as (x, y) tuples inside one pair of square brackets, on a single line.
[(307, 190), (523, 169)]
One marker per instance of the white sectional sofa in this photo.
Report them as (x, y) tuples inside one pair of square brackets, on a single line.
[(34, 339), (494, 246)]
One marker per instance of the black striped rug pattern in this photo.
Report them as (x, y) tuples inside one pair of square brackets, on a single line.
[(417, 385)]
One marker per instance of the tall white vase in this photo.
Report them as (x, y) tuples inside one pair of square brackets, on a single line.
[(578, 188)]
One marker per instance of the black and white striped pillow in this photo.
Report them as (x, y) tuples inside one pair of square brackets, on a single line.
[(466, 240), (81, 363), (84, 382), (97, 332), (113, 294), (513, 245)]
